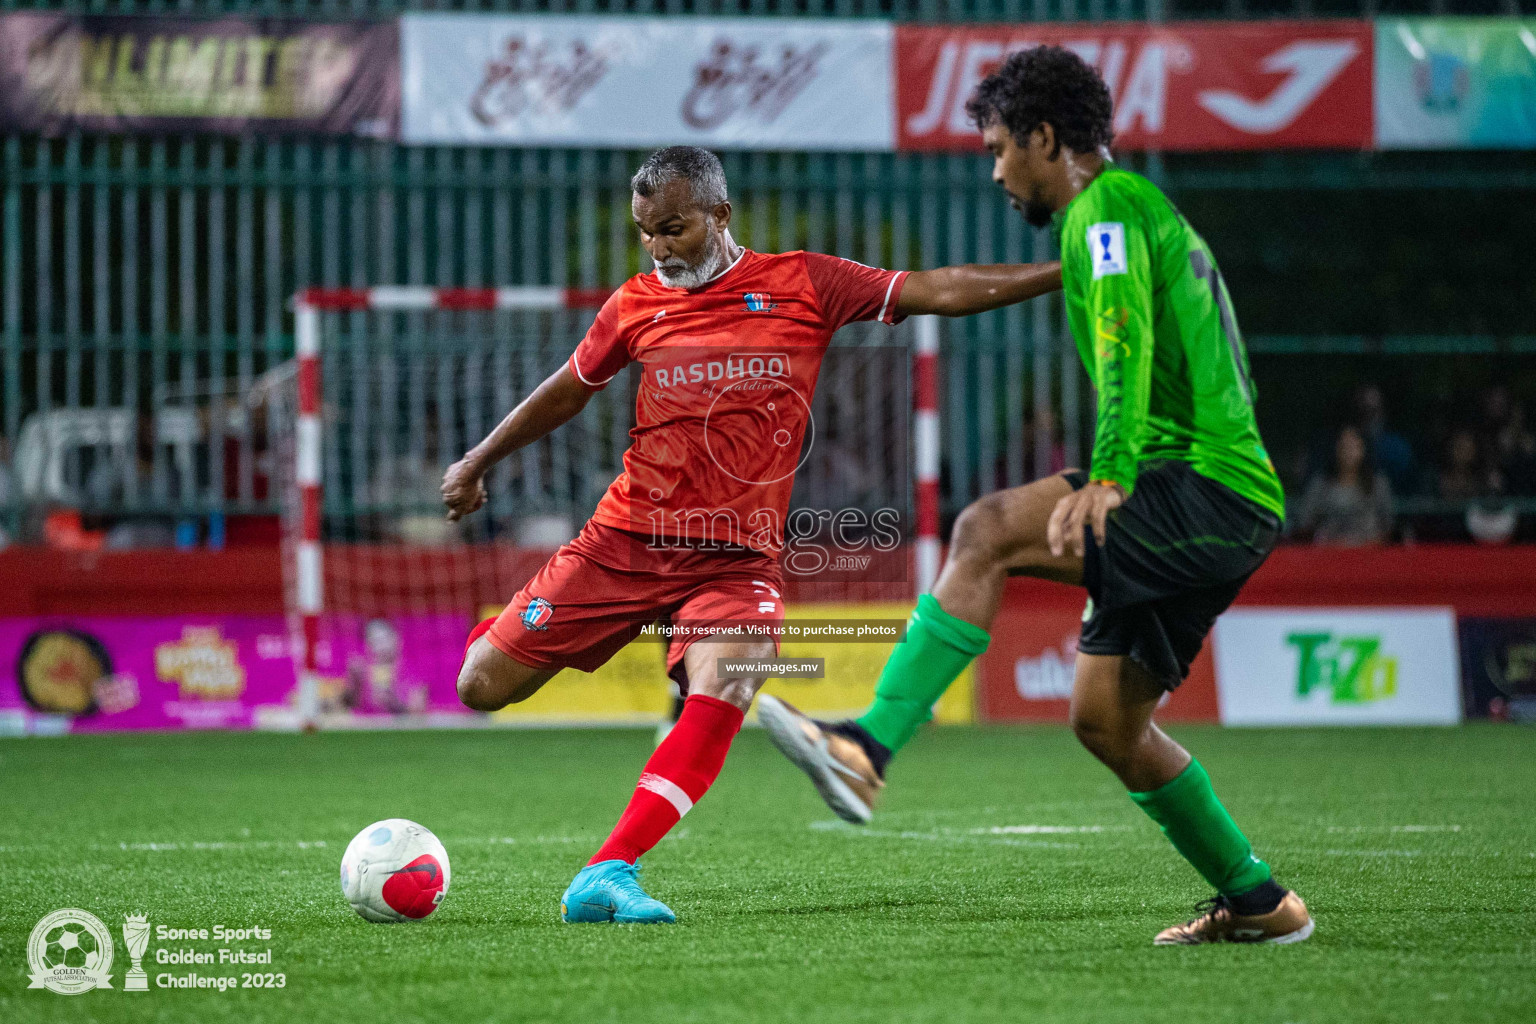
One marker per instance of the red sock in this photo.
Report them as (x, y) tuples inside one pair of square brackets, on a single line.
[(481, 628), (675, 778)]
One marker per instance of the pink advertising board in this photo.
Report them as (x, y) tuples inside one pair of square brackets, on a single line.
[(98, 674)]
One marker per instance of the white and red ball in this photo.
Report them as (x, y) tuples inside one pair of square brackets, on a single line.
[(394, 870)]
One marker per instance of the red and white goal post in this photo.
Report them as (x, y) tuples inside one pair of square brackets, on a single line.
[(393, 383)]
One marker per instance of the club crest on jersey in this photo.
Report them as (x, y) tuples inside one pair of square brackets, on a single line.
[(537, 614), (759, 302)]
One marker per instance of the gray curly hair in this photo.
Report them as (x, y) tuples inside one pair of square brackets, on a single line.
[(700, 168)]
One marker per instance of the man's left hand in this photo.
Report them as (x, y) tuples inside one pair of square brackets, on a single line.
[(1090, 506)]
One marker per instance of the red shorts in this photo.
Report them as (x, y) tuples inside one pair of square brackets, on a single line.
[(599, 591)]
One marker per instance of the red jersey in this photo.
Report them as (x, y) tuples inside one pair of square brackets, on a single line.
[(725, 397)]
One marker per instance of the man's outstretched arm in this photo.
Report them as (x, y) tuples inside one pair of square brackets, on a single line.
[(552, 403), (975, 288)]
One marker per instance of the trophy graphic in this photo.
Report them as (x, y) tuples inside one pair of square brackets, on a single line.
[(135, 937)]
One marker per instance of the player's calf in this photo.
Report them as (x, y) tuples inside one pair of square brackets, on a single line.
[(1113, 700), (1107, 743)]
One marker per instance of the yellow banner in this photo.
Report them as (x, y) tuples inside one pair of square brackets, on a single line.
[(633, 687)]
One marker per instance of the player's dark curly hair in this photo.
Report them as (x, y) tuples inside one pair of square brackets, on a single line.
[(1046, 85)]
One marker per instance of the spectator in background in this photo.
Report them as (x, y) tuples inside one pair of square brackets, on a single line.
[(1465, 475), (1505, 462), (1515, 453), (1495, 408), (1390, 450), (1349, 505), (1507, 445), (1470, 475)]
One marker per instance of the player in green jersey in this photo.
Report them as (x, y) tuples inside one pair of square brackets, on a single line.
[(1180, 505)]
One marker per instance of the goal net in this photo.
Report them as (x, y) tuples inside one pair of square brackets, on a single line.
[(392, 385)]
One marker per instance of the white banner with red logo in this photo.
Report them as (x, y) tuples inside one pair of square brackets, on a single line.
[(641, 81), (1197, 86), (875, 86)]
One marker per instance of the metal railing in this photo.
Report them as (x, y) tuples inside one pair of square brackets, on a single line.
[(149, 275), (143, 281)]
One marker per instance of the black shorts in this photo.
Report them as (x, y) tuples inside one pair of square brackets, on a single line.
[(1174, 557)]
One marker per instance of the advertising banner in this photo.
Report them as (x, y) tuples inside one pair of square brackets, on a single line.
[(1195, 86), (754, 83), (1456, 83), (1026, 673), (106, 674), (91, 674), (100, 73), (1498, 668), (639, 81), (1336, 666), (633, 688)]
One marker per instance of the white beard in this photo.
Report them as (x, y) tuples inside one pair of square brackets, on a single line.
[(677, 274)]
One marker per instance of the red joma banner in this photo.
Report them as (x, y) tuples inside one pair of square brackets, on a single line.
[(1194, 86)]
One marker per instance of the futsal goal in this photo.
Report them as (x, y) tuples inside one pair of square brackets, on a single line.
[(391, 385)]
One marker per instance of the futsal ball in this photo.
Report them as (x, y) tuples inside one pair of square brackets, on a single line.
[(394, 870)]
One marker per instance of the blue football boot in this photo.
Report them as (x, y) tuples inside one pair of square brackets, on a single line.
[(610, 891)]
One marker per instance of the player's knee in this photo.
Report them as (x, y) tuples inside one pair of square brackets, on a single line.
[(738, 690), (479, 690), (703, 661), (477, 693), (980, 530), (1103, 735)]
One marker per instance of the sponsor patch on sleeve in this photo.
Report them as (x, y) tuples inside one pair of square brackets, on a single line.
[(1106, 243)]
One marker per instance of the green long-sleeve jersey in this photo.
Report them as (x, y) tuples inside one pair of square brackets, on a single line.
[(1154, 325)]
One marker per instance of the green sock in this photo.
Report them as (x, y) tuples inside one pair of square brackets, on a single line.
[(1202, 830), (937, 649)]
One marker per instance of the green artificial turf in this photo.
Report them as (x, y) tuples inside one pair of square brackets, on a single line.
[(1416, 850)]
